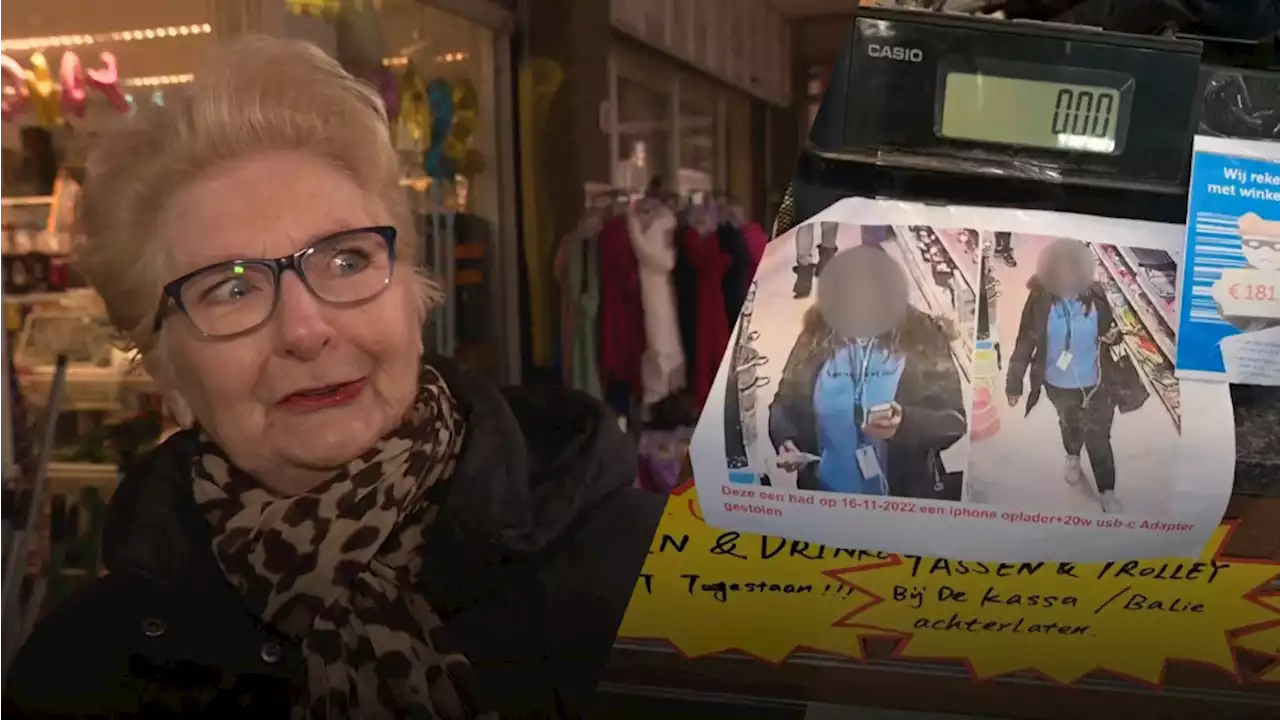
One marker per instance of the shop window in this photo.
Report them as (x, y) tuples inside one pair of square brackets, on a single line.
[(446, 67), (644, 135), (699, 141)]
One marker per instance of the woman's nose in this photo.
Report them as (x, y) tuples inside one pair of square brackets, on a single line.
[(300, 323)]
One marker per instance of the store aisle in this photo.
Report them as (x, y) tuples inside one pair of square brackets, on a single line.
[(1022, 464), (956, 457)]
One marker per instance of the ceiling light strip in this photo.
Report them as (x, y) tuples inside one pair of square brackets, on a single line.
[(158, 80), (119, 36)]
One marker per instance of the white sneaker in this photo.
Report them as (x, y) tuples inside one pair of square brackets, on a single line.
[(1111, 503), (1074, 475)]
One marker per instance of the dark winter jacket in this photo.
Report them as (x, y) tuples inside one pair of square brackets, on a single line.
[(933, 412), (531, 562), (1030, 350)]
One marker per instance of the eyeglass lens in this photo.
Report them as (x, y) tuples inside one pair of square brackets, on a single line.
[(237, 296)]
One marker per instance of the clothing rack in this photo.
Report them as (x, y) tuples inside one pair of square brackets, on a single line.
[(651, 286)]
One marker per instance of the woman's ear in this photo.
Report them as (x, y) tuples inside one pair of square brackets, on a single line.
[(176, 405)]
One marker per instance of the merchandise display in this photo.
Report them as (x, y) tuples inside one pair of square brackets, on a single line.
[(1141, 294), (1158, 627), (650, 286), (107, 411)]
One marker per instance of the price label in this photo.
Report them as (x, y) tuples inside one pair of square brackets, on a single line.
[(1248, 293)]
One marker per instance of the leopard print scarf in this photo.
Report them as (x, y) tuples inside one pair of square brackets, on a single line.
[(335, 569)]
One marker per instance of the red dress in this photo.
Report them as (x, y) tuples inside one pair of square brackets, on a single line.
[(621, 315), (753, 235), (712, 325)]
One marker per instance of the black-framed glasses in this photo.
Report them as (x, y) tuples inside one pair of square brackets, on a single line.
[(235, 297)]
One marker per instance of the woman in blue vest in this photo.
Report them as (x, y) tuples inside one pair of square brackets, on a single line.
[(1067, 326), (870, 394)]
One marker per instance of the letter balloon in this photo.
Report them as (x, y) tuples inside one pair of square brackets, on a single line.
[(14, 97), (74, 89), (106, 80), (41, 89)]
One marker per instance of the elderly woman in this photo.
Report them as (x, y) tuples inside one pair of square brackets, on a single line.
[(346, 528), (1066, 327)]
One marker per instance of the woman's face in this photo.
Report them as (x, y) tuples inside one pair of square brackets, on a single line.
[(1066, 271), (239, 390), (862, 293)]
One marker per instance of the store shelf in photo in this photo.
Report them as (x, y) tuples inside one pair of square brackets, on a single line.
[(1162, 296), (915, 262), (1142, 308), (1156, 370), (927, 291), (950, 240)]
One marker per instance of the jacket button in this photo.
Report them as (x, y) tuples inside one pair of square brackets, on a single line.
[(272, 652), (152, 628)]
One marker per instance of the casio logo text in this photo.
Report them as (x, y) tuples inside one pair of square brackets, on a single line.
[(896, 53)]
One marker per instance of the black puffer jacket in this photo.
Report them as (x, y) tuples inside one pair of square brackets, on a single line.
[(533, 560)]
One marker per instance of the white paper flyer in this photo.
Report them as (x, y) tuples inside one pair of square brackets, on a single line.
[(960, 382)]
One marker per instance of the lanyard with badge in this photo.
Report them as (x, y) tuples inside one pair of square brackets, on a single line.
[(868, 463), (1064, 360)]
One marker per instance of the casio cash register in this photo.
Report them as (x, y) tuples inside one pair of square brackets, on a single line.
[(965, 110)]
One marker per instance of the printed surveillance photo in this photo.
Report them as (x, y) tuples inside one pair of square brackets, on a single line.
[(861, 384), (1073, 341)]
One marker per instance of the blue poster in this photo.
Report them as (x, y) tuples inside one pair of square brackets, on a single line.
[(1229, 316)]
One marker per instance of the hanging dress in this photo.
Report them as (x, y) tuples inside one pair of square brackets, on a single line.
[(663, 366), (756, 241), (621, 316), (712, 324), (685, 277), (582, 273), (737, 278)]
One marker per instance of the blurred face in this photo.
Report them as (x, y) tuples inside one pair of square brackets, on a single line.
[(1066, 272), (318, 383), (862, 293)]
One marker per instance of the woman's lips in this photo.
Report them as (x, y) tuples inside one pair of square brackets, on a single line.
[(326, 397)]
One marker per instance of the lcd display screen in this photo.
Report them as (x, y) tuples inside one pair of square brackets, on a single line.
[(1032, 113)]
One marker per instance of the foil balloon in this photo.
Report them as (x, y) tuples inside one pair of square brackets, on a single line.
[(470, 162), (74, 89), (41, 91), (415, 117), (437, 164), (15, 91), (106, 80)]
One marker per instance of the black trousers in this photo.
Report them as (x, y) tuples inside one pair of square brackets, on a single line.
[(1004, 243), (1087, 426)]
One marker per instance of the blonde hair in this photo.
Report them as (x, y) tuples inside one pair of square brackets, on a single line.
[(250, 96)]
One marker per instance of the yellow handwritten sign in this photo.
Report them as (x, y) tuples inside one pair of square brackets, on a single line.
[(707, 591), (1264, 639)]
